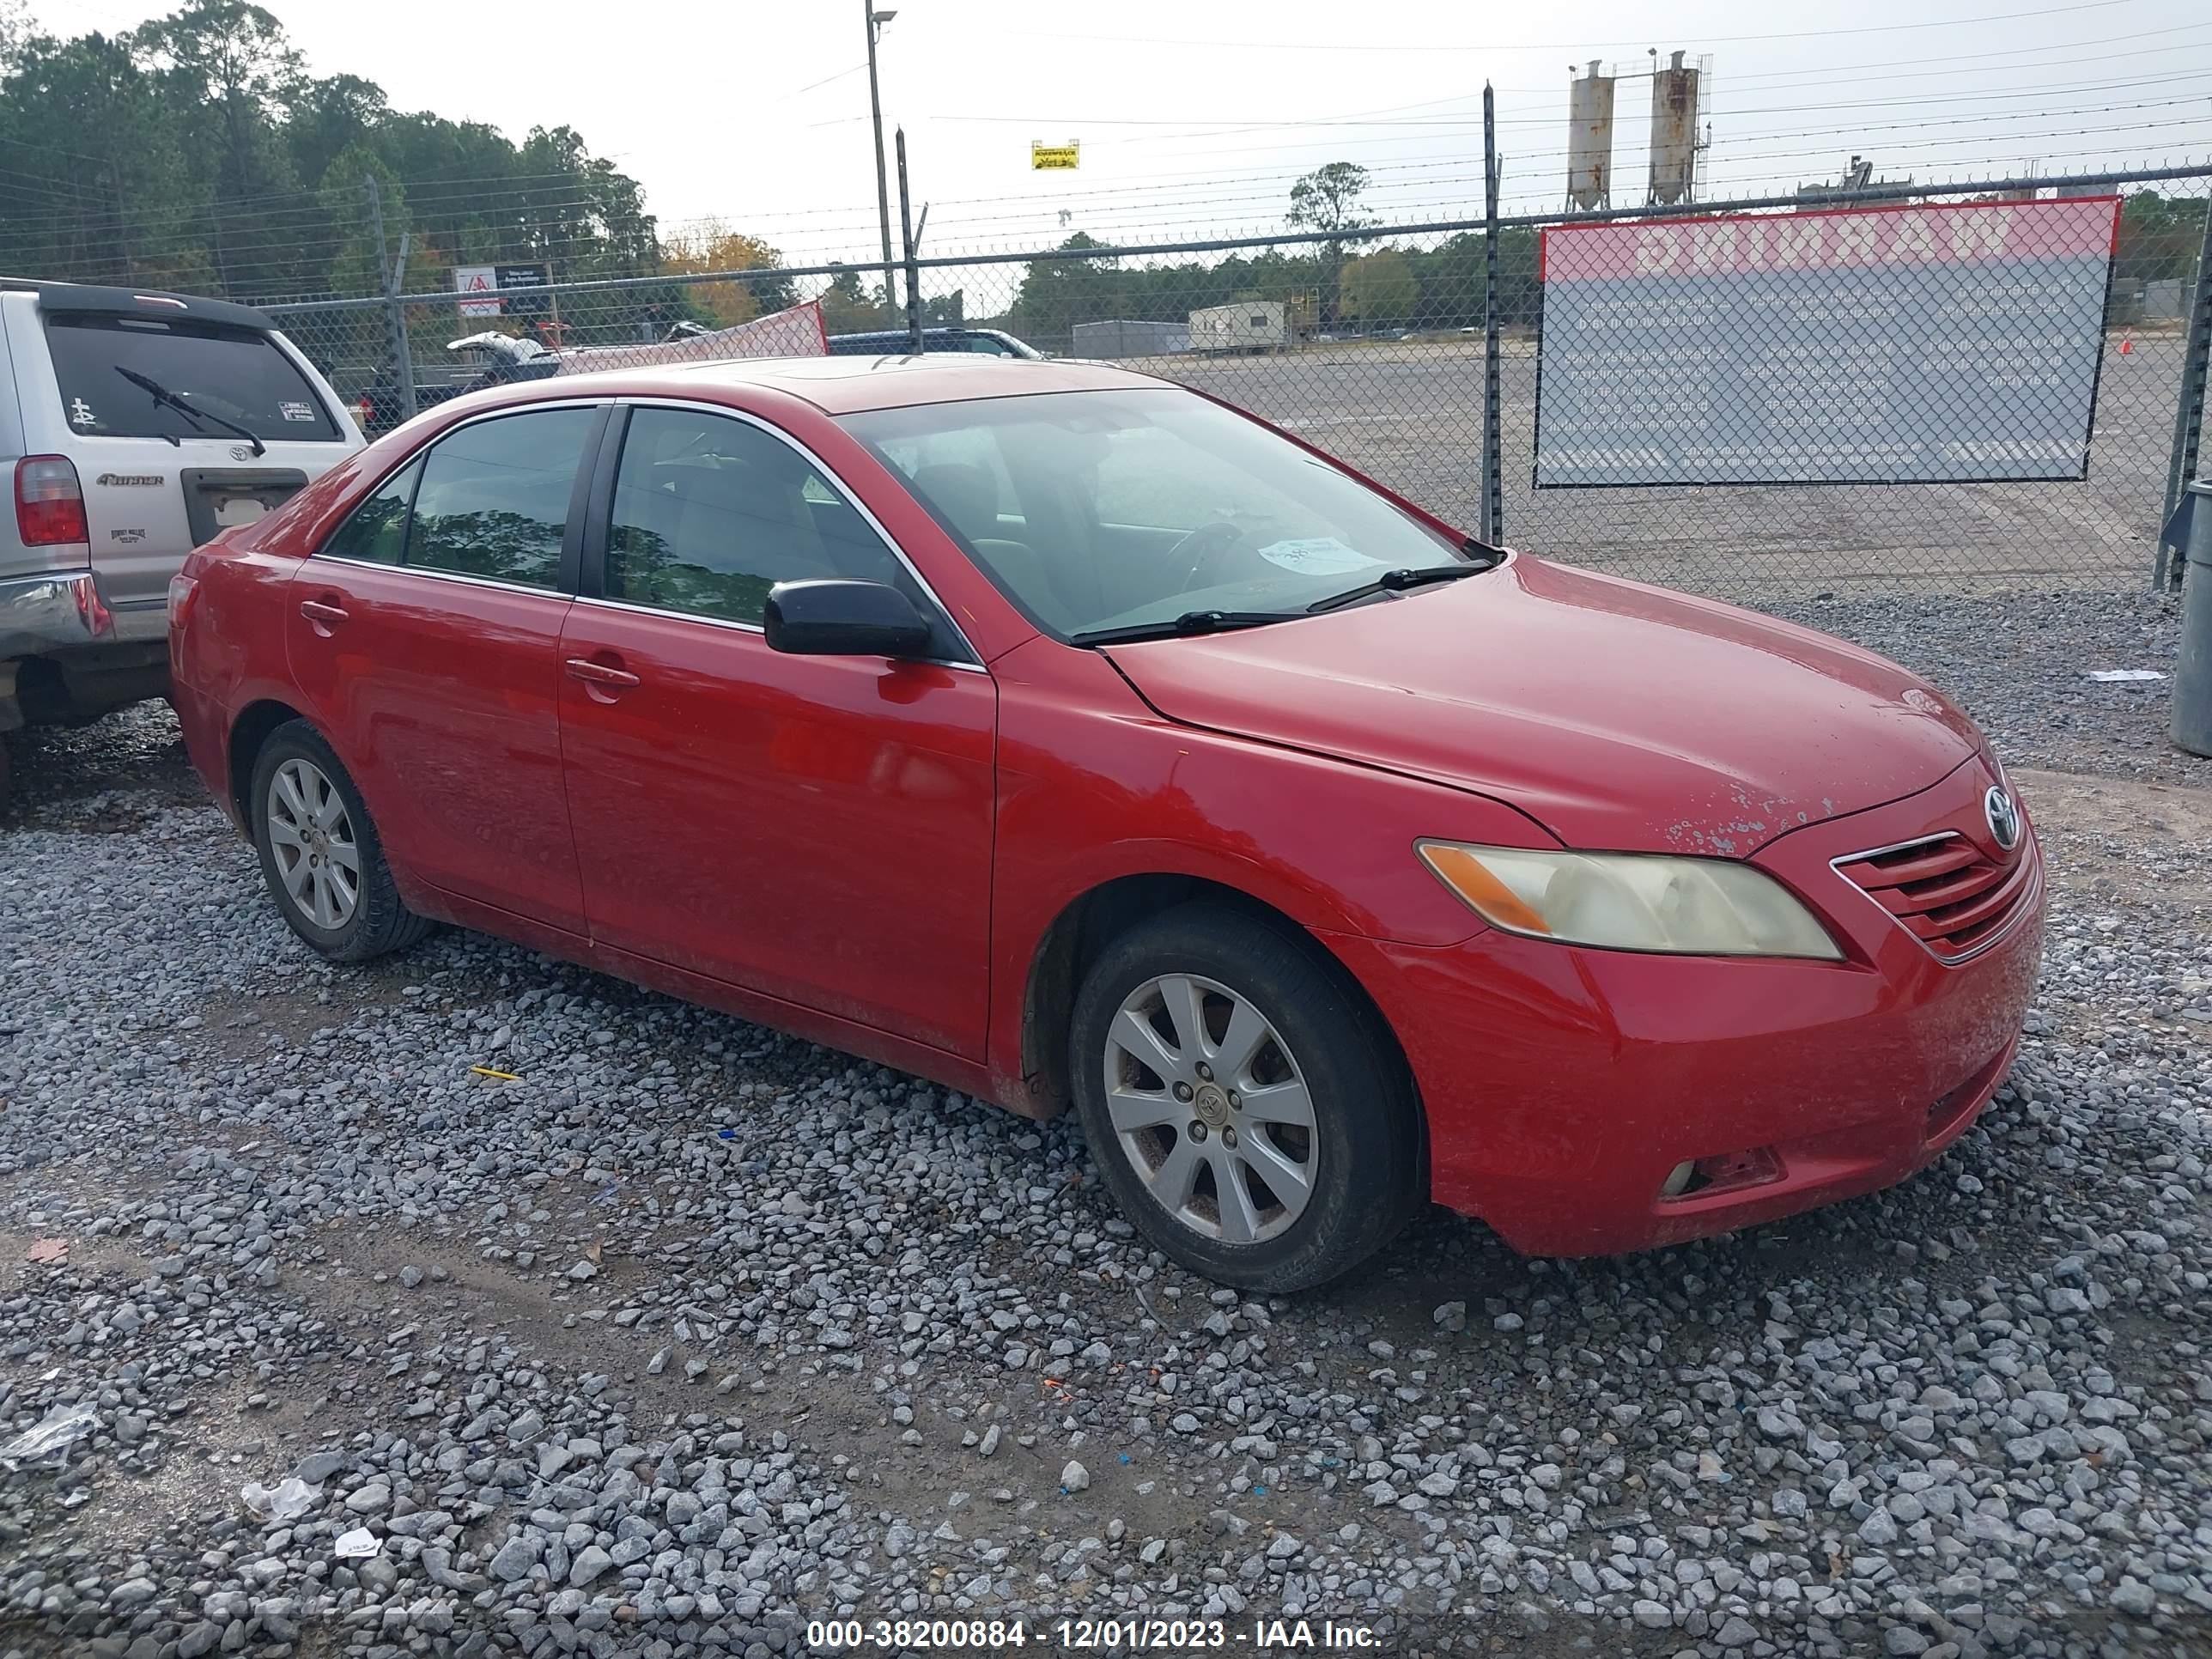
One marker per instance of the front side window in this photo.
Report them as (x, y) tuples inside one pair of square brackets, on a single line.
[(494, 498), (240, 374), (1104, 510), (710, 512)]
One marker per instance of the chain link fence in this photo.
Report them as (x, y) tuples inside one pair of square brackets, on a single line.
[(1371, 345)]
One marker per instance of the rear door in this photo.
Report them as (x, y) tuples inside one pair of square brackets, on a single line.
[(426, 633), (147, 501)]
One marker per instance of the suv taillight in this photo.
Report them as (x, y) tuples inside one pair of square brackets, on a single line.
[(49, 504)]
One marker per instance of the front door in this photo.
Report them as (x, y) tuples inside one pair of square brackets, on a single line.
[(813, 829), (426, 633)]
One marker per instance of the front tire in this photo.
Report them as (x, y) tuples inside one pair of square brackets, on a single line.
[(320, 852), (1243, 1105)]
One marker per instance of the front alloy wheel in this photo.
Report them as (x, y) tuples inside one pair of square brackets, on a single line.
[(1210, 1108), (1244, 1101)]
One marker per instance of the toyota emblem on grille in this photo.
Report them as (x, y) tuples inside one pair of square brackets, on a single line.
[(2004, 818)]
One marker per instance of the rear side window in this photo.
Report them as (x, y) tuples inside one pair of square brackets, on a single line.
[(238, 373), (494, 499), (377, 531)]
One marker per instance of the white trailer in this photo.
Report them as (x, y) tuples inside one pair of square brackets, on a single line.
[(1248, 326)]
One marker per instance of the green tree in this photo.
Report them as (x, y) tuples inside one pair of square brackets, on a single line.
[(224, 68), (1327, 200), (847, 308), (1378, 287)]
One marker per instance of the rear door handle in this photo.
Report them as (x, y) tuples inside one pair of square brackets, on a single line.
[(325, 616), (598, 673)]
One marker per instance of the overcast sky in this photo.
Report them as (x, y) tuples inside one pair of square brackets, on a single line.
[(758, 113)]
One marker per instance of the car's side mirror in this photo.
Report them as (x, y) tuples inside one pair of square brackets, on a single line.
[(838, 617)]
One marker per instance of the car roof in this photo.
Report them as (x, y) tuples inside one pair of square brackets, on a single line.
[(849, 385), (90, 298)]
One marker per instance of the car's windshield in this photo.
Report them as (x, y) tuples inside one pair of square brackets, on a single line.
[(1107, 510)]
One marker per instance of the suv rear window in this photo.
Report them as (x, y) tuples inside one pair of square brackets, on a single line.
[(236, 372)]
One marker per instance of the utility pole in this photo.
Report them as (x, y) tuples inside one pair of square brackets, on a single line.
[(876, 20)]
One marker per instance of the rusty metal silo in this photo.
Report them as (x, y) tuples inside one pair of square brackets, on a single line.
[(1590, 140), (1674, 132)]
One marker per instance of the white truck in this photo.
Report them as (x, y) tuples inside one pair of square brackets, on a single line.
[(1248, 326)]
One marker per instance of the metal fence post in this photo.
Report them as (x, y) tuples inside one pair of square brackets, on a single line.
[(2189, 413), (2191, 531), (912, 269), (395, 315), (1493, 525)]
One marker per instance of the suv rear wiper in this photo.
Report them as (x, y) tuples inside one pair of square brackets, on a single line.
[(1396, 581), (1191, 621), (175, 400)]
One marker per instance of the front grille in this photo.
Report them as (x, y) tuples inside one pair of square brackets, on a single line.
[(1944, 890)]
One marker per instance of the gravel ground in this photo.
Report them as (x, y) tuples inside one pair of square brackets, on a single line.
[(690, 1334)]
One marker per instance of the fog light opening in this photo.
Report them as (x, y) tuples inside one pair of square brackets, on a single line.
[(1698, 1177)]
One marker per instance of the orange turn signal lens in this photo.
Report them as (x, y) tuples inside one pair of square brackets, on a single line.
[(1491, 899)]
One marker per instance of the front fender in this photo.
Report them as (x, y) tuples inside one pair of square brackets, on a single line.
[(1094, 787)]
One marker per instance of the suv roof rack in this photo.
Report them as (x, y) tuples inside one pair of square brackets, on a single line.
[(89, 297)]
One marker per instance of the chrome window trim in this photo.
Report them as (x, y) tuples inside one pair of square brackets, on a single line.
[(754, 628), (828, 475), (2029, 848), (436, 575)]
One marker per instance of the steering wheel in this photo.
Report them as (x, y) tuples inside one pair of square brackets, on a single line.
[(1204, 548)]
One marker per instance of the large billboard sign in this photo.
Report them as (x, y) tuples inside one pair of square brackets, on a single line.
[(1916, 345)]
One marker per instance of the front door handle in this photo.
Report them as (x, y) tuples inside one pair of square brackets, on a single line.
[(598, 673)]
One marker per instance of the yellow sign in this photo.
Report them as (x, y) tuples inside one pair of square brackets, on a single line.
[(1045, 158)]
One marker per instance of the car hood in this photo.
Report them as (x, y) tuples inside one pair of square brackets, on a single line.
[(1618, 715)]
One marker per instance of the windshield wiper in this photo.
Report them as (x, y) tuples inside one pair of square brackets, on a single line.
[(1191, 621), (175, 400), (1396, 581)]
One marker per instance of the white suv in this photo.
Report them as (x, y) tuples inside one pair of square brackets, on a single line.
[(134, 427)]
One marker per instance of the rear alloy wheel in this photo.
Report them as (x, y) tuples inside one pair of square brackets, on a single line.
[(1242, 1102), (320, 852), (311, 833)]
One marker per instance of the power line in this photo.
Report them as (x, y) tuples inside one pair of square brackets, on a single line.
[(1559, 46)]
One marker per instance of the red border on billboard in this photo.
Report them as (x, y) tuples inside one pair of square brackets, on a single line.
[(1545, 234)]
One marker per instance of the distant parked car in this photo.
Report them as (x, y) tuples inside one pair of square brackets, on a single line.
[(1068, 738), (134, 426), (899, 342)]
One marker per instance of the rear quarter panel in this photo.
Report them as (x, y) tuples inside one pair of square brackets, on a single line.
[(231, 652)]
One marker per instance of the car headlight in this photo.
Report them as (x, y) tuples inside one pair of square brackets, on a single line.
[(1631, 901)]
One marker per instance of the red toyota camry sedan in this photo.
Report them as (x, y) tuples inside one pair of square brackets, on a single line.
[(1069, 738)]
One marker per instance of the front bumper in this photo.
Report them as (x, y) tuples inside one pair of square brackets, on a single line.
[(53, 611), (1563, 1084)]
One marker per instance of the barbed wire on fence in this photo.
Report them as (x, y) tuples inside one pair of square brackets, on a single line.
[(1369, 342)]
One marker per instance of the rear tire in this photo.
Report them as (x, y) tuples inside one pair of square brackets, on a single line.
[(1275, 1146), (320, 851)]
